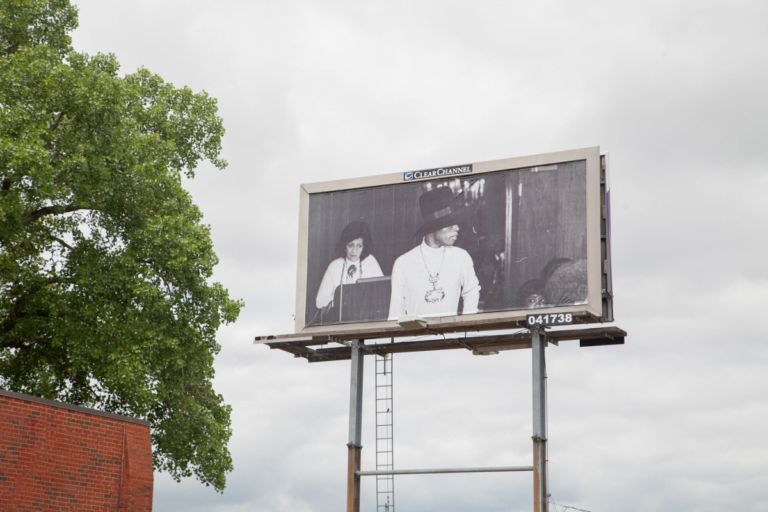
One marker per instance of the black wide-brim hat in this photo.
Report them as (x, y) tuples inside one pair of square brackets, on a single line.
[(439, 209)]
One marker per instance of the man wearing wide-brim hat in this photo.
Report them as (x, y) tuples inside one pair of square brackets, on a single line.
[(429, 279)]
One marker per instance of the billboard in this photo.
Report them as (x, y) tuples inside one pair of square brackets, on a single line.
[(464, 245)]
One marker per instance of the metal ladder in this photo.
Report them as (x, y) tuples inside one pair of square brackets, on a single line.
[(385, 484)]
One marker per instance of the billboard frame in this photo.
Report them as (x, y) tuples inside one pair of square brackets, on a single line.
[(598, 265)]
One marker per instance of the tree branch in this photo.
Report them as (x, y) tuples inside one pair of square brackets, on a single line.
[(53, 128), (53, 210), (18, 312), (62, 242), (57, 122), (10, 322), (11, 48)]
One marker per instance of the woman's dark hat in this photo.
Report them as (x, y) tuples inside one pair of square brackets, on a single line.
[(439, 209)]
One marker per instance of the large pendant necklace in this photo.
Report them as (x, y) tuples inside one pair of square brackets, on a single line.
[(351, 270), (434, 294)]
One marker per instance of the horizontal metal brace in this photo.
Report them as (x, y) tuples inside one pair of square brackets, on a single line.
[(443, 470)]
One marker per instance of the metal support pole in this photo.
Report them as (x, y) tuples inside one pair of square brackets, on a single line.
[(540, 492), (354, 445)]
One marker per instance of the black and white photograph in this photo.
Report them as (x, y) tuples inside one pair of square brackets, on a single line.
[(507, 240)]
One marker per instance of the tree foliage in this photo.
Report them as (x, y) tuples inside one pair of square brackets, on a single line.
[(106, 296)]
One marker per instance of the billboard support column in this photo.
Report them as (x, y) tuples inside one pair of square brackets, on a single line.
[(354, 445), (538, 346)]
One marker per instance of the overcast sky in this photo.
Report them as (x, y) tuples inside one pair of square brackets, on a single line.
[(675, 93)]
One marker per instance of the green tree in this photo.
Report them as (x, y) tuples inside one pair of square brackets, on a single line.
[(106, 296)]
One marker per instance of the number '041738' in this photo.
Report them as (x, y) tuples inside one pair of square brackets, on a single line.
[(550, 319)]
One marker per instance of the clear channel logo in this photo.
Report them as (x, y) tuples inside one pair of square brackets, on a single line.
[(440, 172)]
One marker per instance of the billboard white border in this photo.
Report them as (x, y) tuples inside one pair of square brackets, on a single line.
[(477, 321)]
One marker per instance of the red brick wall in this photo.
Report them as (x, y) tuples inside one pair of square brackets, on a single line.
[(55, 456)]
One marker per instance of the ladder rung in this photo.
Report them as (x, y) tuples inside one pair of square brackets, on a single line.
[(385, 484)]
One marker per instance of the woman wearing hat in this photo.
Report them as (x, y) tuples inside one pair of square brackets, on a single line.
[(430, 279), (354, 261)]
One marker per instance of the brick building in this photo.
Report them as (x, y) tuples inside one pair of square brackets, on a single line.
[(60, 457)]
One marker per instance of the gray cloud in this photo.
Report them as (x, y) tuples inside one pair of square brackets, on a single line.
[(310, 91)]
